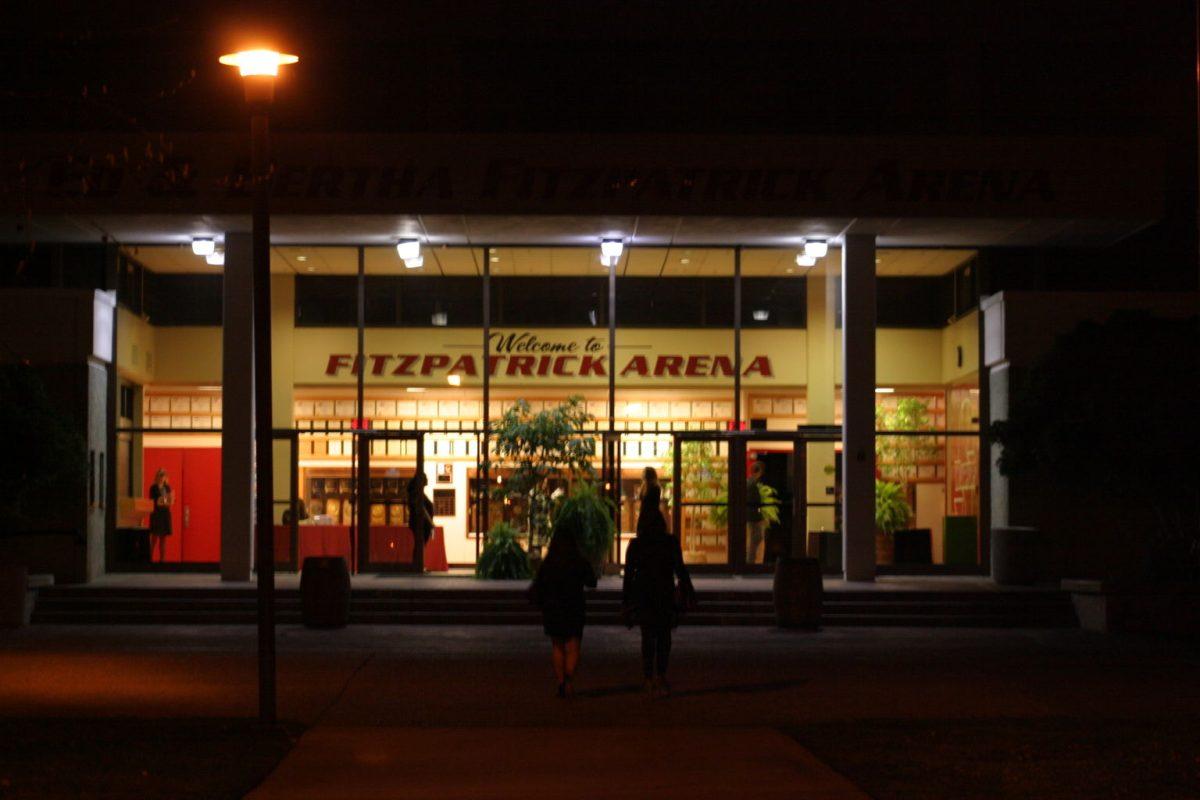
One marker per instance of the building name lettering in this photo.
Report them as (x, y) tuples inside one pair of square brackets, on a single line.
[(538, 360)]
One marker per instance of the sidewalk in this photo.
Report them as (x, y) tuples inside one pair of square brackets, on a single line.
[(429, 711)]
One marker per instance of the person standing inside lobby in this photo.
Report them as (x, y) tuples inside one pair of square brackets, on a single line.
[(755, 524), (162, 496), (420, 519)]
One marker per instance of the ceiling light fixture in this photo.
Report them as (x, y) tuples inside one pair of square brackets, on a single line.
[(805, 260), (216, 258), (884, 390), (612, 247), (761, 315), (817, 248), (414, 263), (440, 319), (302, 258), (454, 379), (408, 249), (203, 245), (415, 389)]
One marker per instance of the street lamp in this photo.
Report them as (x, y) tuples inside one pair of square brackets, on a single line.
[(259, 69)]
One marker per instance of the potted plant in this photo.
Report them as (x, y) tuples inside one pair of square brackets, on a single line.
[(42, 486), (1116, 445), (892, 513), (589, 515), (703, 478), (541, 450), (503, 557)]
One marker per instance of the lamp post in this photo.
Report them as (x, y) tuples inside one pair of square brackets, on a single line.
[(259, 69)]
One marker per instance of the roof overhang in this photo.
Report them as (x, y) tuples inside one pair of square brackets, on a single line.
[(564, 190)]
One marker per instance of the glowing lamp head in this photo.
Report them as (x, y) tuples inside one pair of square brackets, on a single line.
[(817, 248), (408, 249), (203, 246), (612, 248), (454, 379), (414, 263), (608, 261), (805, 260), (258, 62), (761, 315), (216, 258)]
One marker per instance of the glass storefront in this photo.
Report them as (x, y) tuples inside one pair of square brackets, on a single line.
[(707, 340)]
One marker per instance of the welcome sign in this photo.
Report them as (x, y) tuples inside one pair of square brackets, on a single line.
[(574, 356)]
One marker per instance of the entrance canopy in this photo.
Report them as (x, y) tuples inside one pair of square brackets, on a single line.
[(566, 190)]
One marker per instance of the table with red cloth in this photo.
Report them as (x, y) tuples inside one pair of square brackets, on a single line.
[(389, 544)]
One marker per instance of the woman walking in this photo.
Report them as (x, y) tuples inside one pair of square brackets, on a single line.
[(558, 589), (652, 564)]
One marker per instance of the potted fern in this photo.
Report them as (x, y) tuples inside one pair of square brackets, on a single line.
[(892, 513), (503, 557)]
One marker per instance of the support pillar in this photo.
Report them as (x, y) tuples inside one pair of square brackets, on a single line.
[(858, 399), (237, 410), (820, 457)]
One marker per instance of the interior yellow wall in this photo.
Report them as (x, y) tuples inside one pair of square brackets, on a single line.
[(136, 356), (188, 355), (962, 332)]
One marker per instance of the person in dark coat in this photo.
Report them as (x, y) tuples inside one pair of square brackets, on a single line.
[(653, 562), (162, 496), (558, 589), (420, 519)]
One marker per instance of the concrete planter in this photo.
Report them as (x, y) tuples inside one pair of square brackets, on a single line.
[(14, 594), (1015, 554), (1170, 610)]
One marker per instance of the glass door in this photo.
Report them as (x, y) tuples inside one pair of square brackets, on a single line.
[(388, 462)]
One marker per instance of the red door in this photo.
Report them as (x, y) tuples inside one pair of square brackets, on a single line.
[(170, 459), (202, 505), (195, 476)]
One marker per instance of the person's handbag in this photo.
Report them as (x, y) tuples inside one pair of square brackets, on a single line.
[(685, 598)]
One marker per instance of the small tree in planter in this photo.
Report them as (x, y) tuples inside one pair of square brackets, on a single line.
[(892, 513), (900, 456), (541, 449), (589, 516), (47, 462), (1122, 437)]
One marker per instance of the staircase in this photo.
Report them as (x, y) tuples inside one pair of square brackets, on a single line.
[(227, 606)]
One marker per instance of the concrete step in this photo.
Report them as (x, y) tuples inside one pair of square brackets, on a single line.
[(510, 606)]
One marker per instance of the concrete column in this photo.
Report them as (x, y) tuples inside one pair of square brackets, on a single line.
[(283, 328), (237, 402), (821, 379), (858, 407)]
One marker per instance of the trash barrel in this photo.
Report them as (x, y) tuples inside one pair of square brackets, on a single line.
[(325, 592), (798, 593)]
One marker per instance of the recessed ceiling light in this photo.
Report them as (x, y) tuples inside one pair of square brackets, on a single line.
[(415, 389), (817, 248), (302, 258), (408, 249), (495, 259), (885, 390), (454, 379), (685, 261), (761, 315), (805, 260), (312, 269)]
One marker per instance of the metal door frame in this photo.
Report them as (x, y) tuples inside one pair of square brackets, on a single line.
[(360, 538), (736, 442)]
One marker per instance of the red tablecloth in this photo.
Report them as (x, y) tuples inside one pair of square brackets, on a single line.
[(390, 544)]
